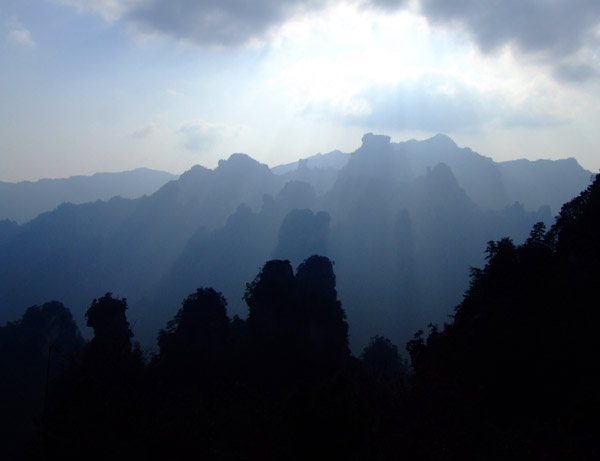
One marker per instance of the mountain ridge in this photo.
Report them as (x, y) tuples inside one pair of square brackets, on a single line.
[(402, 241), (488, 187), (24, 200)]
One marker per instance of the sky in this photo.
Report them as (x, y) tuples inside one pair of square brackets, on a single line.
[(111, 85)]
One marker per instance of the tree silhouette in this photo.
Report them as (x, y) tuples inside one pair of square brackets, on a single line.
[(271, 326), (33, 352), (100, 406), (519, 362), (324, 320), (196, 340), (381, 358), (111, 345), (296, 324)]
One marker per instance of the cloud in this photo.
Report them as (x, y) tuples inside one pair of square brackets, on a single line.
[(553, 31), (557, 26), (206, 22), (19, 35), (143, 132), (111, 10), (200, 136), (387, 5), (575, 72), (431, 103), (434, 103)]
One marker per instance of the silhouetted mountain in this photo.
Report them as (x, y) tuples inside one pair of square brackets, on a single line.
[(122, 245), (303, 232), (402, 245), (25, 200), (513, 374), (476, 174), (542, 182), (488, 183), (320, 179), (228, 256), (401, 224), (334, 160)]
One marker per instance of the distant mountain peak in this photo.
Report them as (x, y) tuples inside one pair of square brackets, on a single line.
[(371, 140), (240, 163), (442, 140), (237, 159), (442, 173), (195, 172)]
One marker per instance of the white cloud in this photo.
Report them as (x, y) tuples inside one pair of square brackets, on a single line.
[(200, 135), (433, 102), (561, 26), (19, 34), (557, 33)]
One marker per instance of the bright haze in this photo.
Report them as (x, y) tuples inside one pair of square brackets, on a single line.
[(110, 85)]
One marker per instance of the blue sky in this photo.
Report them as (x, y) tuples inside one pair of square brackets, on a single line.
[(110, 85)]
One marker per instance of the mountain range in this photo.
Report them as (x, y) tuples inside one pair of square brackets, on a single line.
[(23, 201), (403, 222)]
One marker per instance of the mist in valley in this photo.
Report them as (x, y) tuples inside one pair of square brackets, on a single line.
[(360, 230)]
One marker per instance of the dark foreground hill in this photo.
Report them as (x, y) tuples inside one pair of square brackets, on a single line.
[(402, 223), (515, 374)]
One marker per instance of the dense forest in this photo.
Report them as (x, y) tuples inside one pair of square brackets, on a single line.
[(513, 374)]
